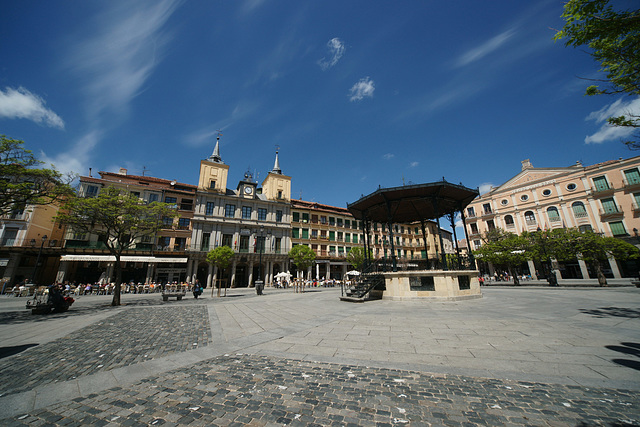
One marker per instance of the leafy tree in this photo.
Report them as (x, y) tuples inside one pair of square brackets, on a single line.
[(302, 256), (23, 182), (612, 37), (220, 257), (595, 249), (357, 257), (119, 218), (504, 249)]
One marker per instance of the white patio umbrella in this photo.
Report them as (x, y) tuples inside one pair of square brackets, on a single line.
[(352, 273), (283, 275)]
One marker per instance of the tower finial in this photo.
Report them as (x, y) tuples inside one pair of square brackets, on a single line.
[(215, 156), (276, 166)]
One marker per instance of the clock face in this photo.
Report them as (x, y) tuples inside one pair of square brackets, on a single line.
[(248, 190)]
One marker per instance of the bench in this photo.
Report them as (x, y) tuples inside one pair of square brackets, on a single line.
[(174, 291)]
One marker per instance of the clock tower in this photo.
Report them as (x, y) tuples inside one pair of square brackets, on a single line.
[(247, 187)]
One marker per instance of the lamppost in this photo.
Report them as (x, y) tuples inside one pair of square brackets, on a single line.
[(35, 268), (260, 282)]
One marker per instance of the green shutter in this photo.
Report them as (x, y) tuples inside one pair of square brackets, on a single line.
[(296, 217), (601, 183), (633, 176), (295, 233), (617, 228), (305, 233), (609, 206), (332, 236)]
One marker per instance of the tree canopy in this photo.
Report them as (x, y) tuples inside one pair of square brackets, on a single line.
[(24, 182), (612, 38), (302, 256), (356, 257), (120, 219), (220, 256)]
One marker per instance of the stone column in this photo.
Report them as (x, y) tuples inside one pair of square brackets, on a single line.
[(10, 269), (62, 271), (190, 271), (251, 274), (317, 271), (615, 269), (148, 276), (211, 275), (532, 270), (583, 268), (233, 274)]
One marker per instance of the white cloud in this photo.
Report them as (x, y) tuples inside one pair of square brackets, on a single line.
[(336, 50), (485, 187), (413, 164), (388, 156), (78, 159), (363, 88), (22, 104), (122, 50), (606, 131), (484, 49)]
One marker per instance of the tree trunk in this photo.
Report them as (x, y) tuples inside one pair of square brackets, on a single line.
[(602, 280), (516, 281), (116, 291)]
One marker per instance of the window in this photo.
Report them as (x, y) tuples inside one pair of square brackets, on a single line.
[(508, 220), (209, 208), (278, 216), (135, 194), (227, 240), (530, 217), (295, 233), (280, 196), (617, 228), (206, 237), (244, 244), (230, 211), (332, 236), (332, 221), (9, 236), (504, 202), (553, 214), (355, 238), (171, 200), (477, 243), (180, 243), (636, 198), (339, 222), (609, 205), (262, 214), (305, 218), (296, 217), (579, 210), (167, 221), (212, 185), (153, 197), (347, 223), (474, 228), (314, 234), (183, 223), (546, 192), (490, 225), (323, 220), (92, 191), (632, 176), (347, 237), (305, 233), (486, 208), (524, 197), (246, 212), (314, 219), (186, 204), (585, 228), (601, 183), (571, 186)]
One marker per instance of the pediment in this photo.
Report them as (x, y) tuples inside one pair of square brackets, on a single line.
[(533, 176)]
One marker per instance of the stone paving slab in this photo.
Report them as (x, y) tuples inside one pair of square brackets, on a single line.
[(243, 389)]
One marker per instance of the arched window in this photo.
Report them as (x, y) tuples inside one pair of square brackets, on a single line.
[(553, 214), (579, 210), (530, 217), (508, 220)]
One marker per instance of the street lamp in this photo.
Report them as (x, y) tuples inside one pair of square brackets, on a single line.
[(260, 282), (35, 268)]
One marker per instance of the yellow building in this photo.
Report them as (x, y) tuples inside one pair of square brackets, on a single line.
[(604, 197)]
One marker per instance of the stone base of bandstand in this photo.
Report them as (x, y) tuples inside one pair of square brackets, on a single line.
[(440, 285)]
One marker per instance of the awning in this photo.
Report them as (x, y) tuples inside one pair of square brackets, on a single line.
[(124, 258)]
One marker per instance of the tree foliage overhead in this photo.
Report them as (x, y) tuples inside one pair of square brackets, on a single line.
[(302, 256), (612, 37), (356, 257), (120, 219), (24, 182)]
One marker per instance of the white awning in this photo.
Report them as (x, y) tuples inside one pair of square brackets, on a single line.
[(124, 258)]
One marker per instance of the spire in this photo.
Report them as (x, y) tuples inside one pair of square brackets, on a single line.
[(215, 156), (276, 166)]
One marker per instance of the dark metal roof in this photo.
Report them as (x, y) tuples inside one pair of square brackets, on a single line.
[(413, 202)]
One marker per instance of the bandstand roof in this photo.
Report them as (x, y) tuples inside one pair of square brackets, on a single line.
[(411, 203)]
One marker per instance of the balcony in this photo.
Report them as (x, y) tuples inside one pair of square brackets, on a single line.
[(488, 213), (611, 213), (603, 191), (630, 184)]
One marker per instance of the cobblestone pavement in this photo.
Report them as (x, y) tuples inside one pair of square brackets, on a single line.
[(127, 338), (267, 391), (560, 357)]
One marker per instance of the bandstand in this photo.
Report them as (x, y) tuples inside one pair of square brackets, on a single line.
[(452, 277)]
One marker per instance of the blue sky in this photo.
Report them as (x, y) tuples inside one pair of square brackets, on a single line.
[(356, 94)]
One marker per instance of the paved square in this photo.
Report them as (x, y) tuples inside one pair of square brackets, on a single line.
[(518, 356)]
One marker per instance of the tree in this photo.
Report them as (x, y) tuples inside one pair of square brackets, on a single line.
[(357, 256), (504, 249), (220, 257), (119, 218), (302, 256), (595, 249), (612, 37), (23, 182)]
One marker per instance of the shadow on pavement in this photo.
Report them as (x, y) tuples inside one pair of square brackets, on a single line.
[(613, 312), (10, 351), (628, 348)]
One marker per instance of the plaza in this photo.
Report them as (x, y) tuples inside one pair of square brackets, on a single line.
[(517, 356)]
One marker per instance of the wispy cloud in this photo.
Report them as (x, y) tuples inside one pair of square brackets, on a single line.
[(485, 187), (484, 49), (123, 48), (413, 164), (606, 131), (336, 50), (388, 156), (362, 89), (22, 104), (78, 158)]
